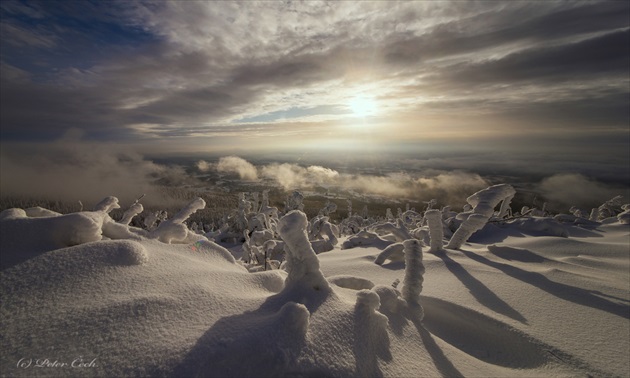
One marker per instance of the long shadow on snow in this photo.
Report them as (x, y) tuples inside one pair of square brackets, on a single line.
[(495, 234), (399, 319), (478, 290), (265, 342), (570, 293)]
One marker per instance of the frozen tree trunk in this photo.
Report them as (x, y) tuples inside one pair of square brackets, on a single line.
[(412, 284), (483, 202), (302, 262), (436, 231)]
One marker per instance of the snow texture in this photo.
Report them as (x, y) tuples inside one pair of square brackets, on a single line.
[(516, 301)]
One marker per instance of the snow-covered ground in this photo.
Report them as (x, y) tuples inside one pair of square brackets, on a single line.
[(509, 302)]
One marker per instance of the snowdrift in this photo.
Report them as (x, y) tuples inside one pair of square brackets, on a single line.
[(84, 296)]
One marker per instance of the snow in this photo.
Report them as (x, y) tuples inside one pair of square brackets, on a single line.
[(85, 296)]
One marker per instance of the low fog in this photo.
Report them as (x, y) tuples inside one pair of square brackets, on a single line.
[(73, 171), (87, 173), (450, 187)]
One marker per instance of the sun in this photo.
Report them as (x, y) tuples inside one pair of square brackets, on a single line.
[(362, 106)]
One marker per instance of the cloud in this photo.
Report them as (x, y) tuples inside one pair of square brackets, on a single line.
[(447, 187), (192, 69), (204, 166), (571, 189), (235, 164)]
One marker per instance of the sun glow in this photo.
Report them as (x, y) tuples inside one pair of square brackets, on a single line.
[(362, 106)]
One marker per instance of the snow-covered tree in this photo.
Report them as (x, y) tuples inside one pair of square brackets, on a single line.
[(436, 229), (301, 261), (412, 283)]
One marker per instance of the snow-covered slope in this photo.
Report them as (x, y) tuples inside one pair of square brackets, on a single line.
[(504, 304)]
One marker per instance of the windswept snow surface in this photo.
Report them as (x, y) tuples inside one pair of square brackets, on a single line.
[(504, 304)]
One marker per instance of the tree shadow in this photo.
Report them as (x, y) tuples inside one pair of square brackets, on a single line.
[(263, 342), (442, 363), (570, 293), (479, 291), (400, 318)]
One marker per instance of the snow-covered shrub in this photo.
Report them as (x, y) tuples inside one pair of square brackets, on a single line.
[(107, 204), (301, 261), (40, 212), (174, 230), (13, 213), (294, 202), (483, 203), (609, 208), (46, 233), (152, 220), (321, 246), (365, 239), (321, 228), (393, 252), (412, 283), (131, 212), (474, 223), (398, 231)]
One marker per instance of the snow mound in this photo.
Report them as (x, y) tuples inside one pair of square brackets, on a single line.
[(24, 238)]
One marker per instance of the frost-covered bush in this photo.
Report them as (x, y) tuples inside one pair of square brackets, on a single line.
[(365, 239), (294, 202), (133, 210), (174, 230), (399, 231)]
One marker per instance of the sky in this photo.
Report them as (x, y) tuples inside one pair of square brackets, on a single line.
[(542, 80)]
